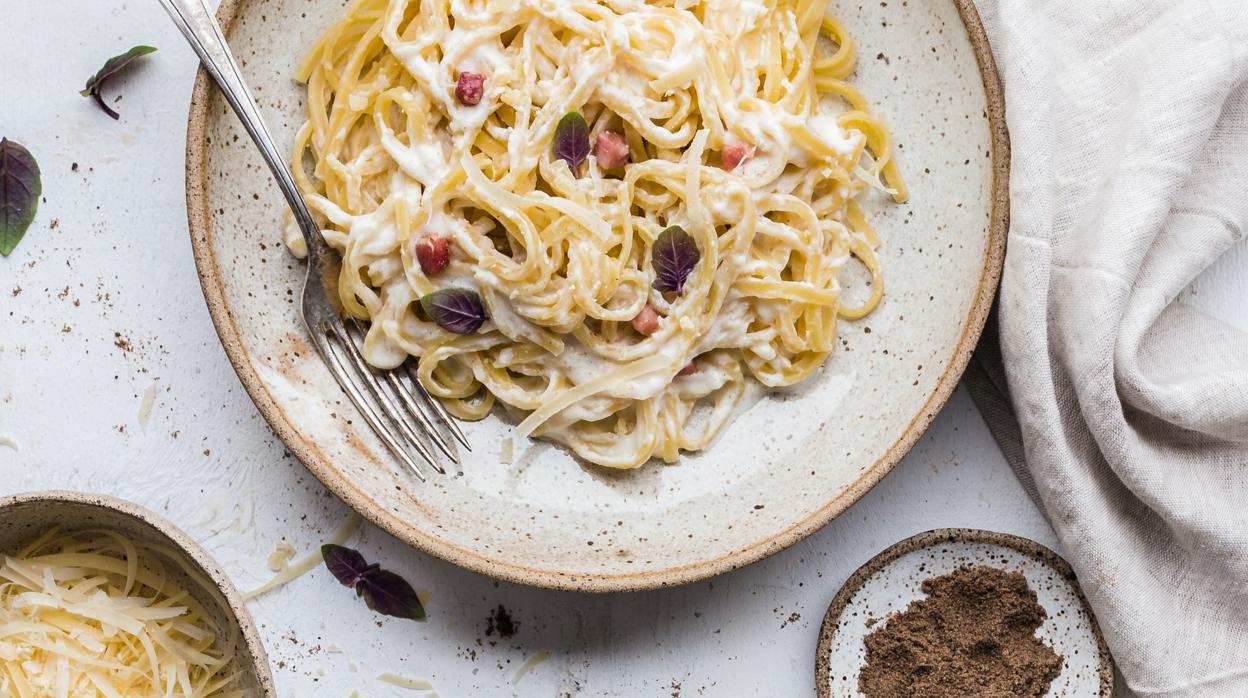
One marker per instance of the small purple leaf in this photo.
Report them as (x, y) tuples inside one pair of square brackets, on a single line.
[(457, 310), (674, 255), (20, 187), (347, 565), (572, 140), (384, 592), (111, 67), (389, 594)]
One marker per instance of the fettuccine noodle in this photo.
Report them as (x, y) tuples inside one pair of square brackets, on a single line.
[(738, 126)]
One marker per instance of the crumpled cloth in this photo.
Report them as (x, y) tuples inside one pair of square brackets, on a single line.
[(1125, 412)]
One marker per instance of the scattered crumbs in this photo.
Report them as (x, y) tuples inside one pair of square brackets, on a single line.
[(74, 167), (56, 223), (7, 441), (793, 618), (507, 451), (17, 291), (530, 665), (501, 621), (405, 682), (145, 405), (280, 558), (122, 343)]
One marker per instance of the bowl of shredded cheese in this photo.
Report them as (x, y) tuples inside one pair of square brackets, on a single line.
[(100, 597)]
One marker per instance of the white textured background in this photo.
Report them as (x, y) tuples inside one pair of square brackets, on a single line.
[(101, 302)]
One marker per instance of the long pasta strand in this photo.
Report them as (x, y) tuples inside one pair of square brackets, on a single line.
[(389, 155)]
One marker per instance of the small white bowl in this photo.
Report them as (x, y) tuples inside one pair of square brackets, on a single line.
[(890, 581), (25, 516)]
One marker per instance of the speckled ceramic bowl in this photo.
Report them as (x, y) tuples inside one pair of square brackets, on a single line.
[(890, 581), (781, 471), (25, 516)]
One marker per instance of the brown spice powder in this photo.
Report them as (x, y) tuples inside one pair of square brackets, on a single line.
[(972, 637)]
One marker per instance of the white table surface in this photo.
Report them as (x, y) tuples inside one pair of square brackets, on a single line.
[(101, 302)]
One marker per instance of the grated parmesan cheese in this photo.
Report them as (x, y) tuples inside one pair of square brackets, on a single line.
[(146, 404), (93, 613), (530, 665), (405, 682), (309, 562), (281, 556)]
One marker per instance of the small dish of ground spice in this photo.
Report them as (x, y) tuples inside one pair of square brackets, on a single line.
[(962, 613)]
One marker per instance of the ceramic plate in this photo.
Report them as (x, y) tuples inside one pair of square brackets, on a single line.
[(26, 516), (546, 519), (892, 580)]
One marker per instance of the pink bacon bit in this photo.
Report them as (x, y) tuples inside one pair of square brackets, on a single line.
[(689, 369), (734, 153), (646, 322), (470, 88), (434, 254), (611, 150)]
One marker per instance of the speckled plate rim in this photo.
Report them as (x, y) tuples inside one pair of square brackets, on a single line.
[(315, 460), (1026, 546), (246, 624)]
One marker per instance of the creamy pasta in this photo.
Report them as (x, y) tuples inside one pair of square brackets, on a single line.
[(648, 203)]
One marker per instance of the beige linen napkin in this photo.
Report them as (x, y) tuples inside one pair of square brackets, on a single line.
[(1129, 412)]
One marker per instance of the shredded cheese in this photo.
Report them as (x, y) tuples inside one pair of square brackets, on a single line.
[(281, 556), (530, 665), (93, 613), (145, 406), (309, 561), (405, 682)]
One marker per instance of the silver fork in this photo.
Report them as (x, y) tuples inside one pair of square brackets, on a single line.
[(386, 399)]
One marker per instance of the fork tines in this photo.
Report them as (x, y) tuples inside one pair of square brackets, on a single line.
[(387, 399)]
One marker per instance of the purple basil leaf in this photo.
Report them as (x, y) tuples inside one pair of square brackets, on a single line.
[(674, 256), (457, 310), (111, 67), (389, 594), (572, 140), (347, 565), (20, 187)]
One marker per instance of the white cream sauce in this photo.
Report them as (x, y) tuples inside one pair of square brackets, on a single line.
[(436, 59)]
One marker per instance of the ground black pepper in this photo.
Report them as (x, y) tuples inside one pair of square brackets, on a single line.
[(500, 621), (972, 637)]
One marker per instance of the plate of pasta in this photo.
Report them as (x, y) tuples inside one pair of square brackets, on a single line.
[(694, 273)]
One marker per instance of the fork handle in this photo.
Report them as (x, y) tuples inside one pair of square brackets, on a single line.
[(201, 30)]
